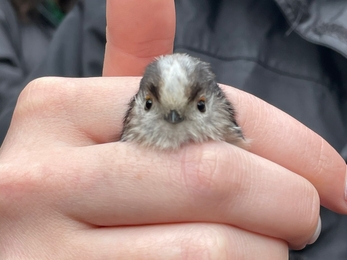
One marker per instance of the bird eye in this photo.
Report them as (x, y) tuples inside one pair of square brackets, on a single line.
[(148, 104), (201, 105)]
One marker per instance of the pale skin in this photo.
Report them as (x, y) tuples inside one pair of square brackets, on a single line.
[(63, 176)]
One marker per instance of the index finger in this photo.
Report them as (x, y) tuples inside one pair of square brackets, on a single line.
[(137, 31)]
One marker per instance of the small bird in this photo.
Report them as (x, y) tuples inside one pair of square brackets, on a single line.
[(179, 101)]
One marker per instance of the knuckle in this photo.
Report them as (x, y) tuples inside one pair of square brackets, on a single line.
[(205, 242), (218, 241), (42, 95), (205, 173), (15, 186), (23, 182)]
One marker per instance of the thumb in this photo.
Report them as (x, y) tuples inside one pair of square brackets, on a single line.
[(137, 31)]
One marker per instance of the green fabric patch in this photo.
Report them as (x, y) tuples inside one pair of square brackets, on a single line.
[(50, 10)]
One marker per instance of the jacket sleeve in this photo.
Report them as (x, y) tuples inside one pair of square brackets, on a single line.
[(78, 46), (76, 50), (12, 71)]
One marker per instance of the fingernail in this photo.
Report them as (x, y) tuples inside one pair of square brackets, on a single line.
[(316, 233)]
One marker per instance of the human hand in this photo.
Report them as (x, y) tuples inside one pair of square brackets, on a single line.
[(322, 158), (68, 191)]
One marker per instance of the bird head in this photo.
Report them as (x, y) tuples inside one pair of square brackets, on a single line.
[(178, 101)]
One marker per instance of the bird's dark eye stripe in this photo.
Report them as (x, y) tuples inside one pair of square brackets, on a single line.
[(195, 90), (154, 90)]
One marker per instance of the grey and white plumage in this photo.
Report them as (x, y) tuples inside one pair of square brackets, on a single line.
[(179, 101)]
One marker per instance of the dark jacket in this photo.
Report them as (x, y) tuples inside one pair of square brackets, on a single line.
[(291, 53)]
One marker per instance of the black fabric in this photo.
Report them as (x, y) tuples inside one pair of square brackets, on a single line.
[(291, 53)]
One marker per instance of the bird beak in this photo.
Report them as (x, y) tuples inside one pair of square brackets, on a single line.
[(174, 117)]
